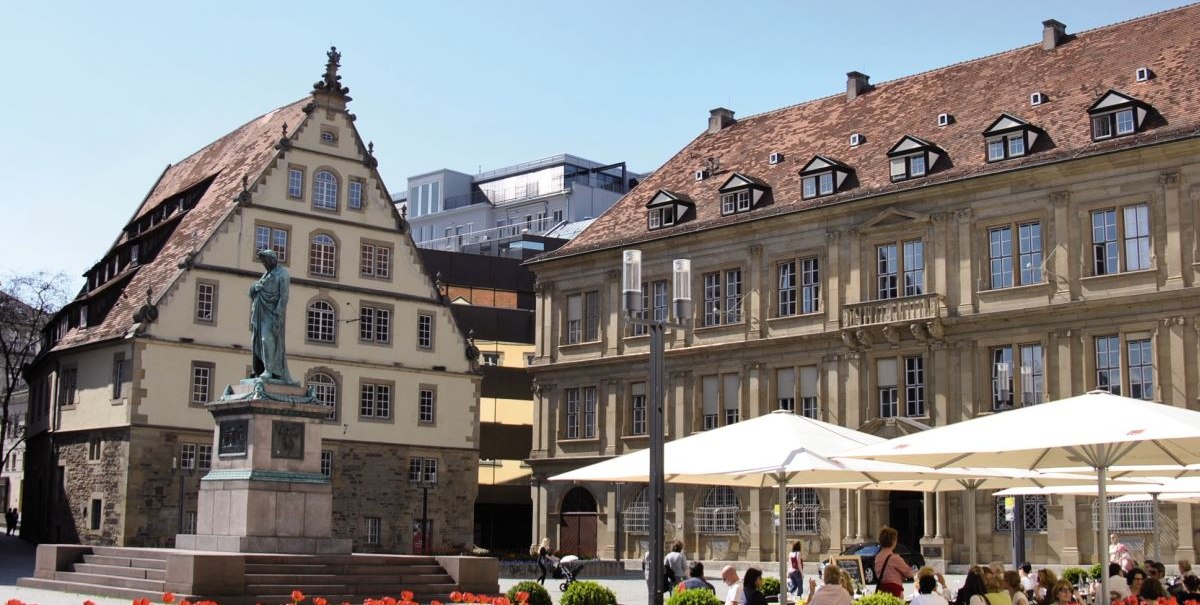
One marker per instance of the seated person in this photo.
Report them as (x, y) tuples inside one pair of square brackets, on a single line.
[(696, 579)]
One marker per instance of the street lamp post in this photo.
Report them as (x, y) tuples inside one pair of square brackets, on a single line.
[(180, 469), (631, 289), (425, 484)]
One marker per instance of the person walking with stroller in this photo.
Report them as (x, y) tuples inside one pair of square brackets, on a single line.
[(544, 560)]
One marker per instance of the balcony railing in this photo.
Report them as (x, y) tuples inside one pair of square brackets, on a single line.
[(876, 312)]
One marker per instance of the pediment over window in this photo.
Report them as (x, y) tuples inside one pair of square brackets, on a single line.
[(910, 144), (667, 208), (742, 193), (913, 157), (1005, 123), (823, 176), (1115, 114), (893, 217), (1010, 137)]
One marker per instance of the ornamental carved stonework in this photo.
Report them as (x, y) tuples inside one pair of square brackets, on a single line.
[(1060, 198)]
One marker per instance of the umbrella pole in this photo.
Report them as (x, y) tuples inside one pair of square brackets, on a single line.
[(1157, 528), (971, 538), (1102, 526), (781, 539)]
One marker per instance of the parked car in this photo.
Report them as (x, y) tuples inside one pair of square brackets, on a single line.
[(867, 551)]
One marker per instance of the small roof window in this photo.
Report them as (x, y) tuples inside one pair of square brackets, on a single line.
[(913, 157), (823, 176), (741, 193), (1009, 137), (667, 208), (1115, 115)]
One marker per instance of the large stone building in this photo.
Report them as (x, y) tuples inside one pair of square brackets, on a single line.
[(995, 233), (120, 436)]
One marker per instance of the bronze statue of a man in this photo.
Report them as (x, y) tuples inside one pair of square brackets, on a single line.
[(268, 309)]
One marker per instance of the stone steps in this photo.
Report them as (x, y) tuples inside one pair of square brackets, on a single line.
[(342, 568), (111, 561), (358, 579), (115, 581), (122, 571), (101, 590)]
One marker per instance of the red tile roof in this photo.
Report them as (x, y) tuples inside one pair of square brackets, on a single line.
[(245, 152), (1073, 76)]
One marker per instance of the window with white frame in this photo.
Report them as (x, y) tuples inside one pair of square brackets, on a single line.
[(325, 390), (710, 402), (723, 297), (799, 287), (375, 324), (122, 373), (490, 358), (785, 388), (1027, 255), (1113, 123), (718, 515), (67, 386), (424, 331), (94, 449), (201, 385), (375, 400), (890, 259), (325, 190), (1136, 366), (1136, 516), (591, 316), (1009, 379), (206, 302), (427, 405), (1141, 369), (1108, 363), (189, 522), (1006, 146), (814, 185), (1034, 514), (374, 526), (736, 201), (322, 322), (893, 398), (637, 408), (662, 216), (354, 194), (375, 260), (636, 517), (187, 456), (636, 329), (1121, 245), (808, 391), (204, 456), (295, 187), (422, 470), (271, 238), (580, 416), (322, 256), (803, 515), (327, 463), (731, 388), (909, 166)]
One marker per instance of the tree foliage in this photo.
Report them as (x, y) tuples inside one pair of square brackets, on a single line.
[(27, 303)]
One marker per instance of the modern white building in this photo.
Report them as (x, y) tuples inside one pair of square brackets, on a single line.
[(451, 210)]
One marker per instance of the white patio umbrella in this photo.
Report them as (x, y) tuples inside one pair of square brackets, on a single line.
[(1120, 430), (779, 449)]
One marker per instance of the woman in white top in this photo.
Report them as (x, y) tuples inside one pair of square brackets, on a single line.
[(1012, 582), (927, 593)]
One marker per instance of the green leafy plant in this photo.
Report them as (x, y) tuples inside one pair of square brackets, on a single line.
[(879, 598), (537, 593), (583, 592), (1074, 574), (1097, 571), (770, 586), (696, 596)]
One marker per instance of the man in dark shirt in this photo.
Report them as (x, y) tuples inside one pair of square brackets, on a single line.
[(696, 578)]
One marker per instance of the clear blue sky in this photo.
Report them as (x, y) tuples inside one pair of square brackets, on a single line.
[(100, 96)]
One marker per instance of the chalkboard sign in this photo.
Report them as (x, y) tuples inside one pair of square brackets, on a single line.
[(852, 566)]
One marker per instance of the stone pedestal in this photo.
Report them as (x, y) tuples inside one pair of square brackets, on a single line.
[(265, 492), (937, 551)]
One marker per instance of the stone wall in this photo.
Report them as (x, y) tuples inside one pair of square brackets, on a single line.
[(152, 510), (86, 480), (371, 480)]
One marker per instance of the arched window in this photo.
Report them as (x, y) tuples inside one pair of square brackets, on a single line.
[(322, 256), (803, 511), (325, 190), (719, 513), (637, 516), (326, 390), (322, 322)]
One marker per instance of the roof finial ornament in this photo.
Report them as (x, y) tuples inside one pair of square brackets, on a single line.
[(284, 142), (369, 161), (243, 197), (331, 82)]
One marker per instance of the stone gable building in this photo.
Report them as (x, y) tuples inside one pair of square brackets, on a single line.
[(120, 436), (996, 233)]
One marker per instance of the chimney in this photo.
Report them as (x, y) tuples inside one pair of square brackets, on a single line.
[(719, 119), (1053, 34), (856, 84)]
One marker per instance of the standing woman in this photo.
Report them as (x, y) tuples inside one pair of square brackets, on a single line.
[(890, 568), (543, 555), (795, 576)]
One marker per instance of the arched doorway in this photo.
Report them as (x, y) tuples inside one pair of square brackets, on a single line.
[(577, 523), (906, 513)]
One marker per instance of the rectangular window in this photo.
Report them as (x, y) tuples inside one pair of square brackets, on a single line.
[(574, 318), (787, 289), (96, 512), (916, 165), (1102, 126), (1000, 257), (659, 291), (94, 449), (712, 299), (424, 331), (189, 522), (187, 456), (429, 470), (710, 399), (637, 404), (731, 386), (354, 198), (1032, 383), (1137, 237), (728, 203), (1133, 517), (375, 400), (808, 391), (723, 306), (785, 388), (591, 316), (589, 412), (887, 272), (1124, 119), (640, 329), (1108, 364), (201, 383), (295, 188), (809, 187), (327, 463), (995, 149), (914, 386), (825, 183), (206, 302), (914, 268), (803, 515), (1002, 378), (271, 238), (1030, 252), (1105, 254), (1016, 145), (1141, 369), (427, 406), (373, 530), (743, 200), (1034, 514), (1106, 239), (490, 359), (733, 296), (67, 386), (888, 391), (375, 261), (810, 286), (204, 456), (809, 291), (374, 325), (121, 374), (571, 414)]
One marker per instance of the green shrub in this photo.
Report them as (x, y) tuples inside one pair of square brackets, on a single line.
[(1097, 571), (537, 593), (770, 586), (879, 598), (1074, 574), (584, 592), (696, 596)]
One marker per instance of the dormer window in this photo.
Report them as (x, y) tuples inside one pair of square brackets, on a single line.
[(912, 157), (822, 176), (667, 208), (1116, 115), (1009, 137), (741, 193)]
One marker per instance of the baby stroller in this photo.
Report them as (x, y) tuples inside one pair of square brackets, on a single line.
[(566, 569)]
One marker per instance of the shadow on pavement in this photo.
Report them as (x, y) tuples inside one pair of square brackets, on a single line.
[(16, 559)]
